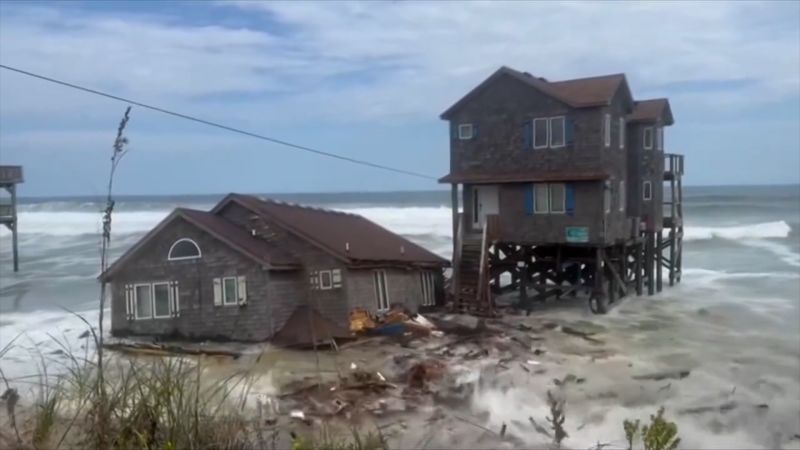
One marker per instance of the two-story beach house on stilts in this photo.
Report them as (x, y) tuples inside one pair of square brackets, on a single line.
[(562, 191)]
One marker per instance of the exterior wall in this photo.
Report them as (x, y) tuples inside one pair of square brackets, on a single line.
[(501, 111), (330, 303), (199, 317), (650, 167), (403, 286)]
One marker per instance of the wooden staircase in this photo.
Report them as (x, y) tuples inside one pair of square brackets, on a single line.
[(470, 271)]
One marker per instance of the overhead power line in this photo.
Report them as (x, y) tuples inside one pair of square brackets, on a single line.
[(221, 126)]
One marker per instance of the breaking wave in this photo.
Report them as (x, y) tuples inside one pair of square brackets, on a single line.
[(766, 230), (403, 220)]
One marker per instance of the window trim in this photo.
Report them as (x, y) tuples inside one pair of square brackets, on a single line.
[(136, 300), (546, 131), (660, 138), (428, 286), (622, 196), (563, 198), (169, 298), (563, 131), (377, 274), (466, 126), (536, 202), (607, 199), (645, 185), (621, 132), (235, 291), (182, 258), (322, 286), (607, 130), (645, 132)]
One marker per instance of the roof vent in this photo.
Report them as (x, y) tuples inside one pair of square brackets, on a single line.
[(526, 73), (543, 79)]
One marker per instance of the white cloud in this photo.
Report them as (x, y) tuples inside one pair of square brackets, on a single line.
[(424, 55)]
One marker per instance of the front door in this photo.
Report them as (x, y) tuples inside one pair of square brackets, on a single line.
[(484, 202)]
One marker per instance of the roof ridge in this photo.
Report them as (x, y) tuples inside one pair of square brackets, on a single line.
[(594, 77), (298, 205)]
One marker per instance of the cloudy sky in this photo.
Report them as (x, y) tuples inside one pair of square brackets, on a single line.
[(369, 80)]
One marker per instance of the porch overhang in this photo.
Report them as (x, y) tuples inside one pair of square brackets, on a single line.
[(522, 177)]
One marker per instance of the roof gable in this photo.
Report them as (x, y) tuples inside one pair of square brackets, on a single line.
[(576, 93), (233, 236), (651, 110), (348, 237)]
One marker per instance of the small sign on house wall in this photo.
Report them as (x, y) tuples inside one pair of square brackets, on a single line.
[(577, 234)]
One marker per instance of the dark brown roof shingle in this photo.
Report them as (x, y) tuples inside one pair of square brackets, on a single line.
[(238, 238), (651, 110), (347, 236), (577, 93)]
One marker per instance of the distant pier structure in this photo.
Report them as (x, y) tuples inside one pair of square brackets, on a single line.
[(10, 177)]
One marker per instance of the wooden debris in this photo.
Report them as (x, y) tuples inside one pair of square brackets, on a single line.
[(167, 350), (660, 376)]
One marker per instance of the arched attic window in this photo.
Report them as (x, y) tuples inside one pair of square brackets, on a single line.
[(184, 249)]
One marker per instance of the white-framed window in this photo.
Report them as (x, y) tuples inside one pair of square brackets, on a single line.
[(230, 291), (156, 300), (381, 290), (621, 132), (558, 127), (229, 295), (465, 131), (648, 138), (184, 248), (143, 297), (558, 198), (622, 194), (324, 280), (647, 190), (540, 132), (161, 300), (660, 138), (541, 198), (549, 198), (607, 130), (426, 281)]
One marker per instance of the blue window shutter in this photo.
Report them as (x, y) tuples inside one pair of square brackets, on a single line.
[(527, 135), (529, 199), (570, 198), (569, 128), (474, 130)]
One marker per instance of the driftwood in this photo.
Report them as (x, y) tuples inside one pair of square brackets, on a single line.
[(166, 350), (581, 334), (676, 375)]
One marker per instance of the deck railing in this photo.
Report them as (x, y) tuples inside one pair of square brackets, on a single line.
[(673, 163), (6, 211)]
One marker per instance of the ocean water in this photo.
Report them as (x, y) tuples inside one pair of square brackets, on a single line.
[(735, 318)]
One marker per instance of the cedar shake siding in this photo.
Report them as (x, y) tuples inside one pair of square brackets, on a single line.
[(198, 317), (278, 267), (502, 152)]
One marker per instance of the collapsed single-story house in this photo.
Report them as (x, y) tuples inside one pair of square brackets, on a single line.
[(240, 270)]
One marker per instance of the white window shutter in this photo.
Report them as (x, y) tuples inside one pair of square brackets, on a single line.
[(217, 292), (129, 306), (242, 290), (336, 277), (175, 296)]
